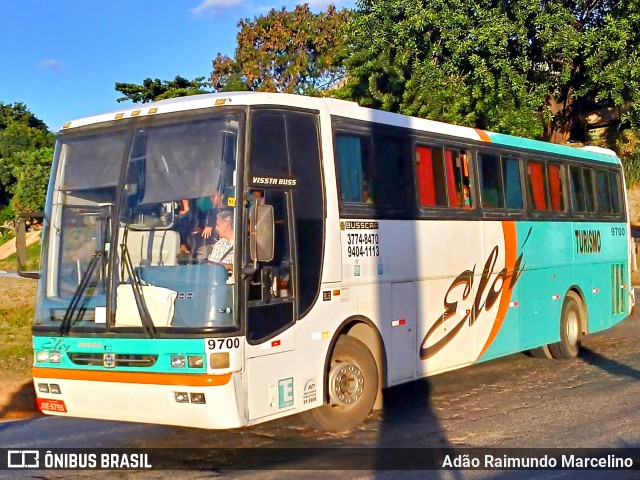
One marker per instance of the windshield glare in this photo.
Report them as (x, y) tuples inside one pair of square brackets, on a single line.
[(166, 195)]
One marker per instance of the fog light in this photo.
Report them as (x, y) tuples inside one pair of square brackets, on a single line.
[(55, 388), (219, 360), (55, 357), (196, 361), (43, 388), (197, 398), (182, 397), (177, 361), (42, 357)]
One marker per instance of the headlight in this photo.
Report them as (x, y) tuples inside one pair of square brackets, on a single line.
[(196, 361), (178, 361), (55, 357), (42, 357)]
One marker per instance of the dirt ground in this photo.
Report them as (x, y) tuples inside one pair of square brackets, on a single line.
[(17, 399)]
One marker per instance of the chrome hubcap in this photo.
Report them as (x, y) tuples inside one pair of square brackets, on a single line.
[(573, 328), (347, 384)]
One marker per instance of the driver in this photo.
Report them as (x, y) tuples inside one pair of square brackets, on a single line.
[(223, 249)]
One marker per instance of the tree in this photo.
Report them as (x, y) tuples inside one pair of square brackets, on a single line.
[(20, 133), (514, 66), (32, 178), (292, 52), (152, 90)]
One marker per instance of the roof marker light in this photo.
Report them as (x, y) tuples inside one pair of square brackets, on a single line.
[(119, 116), (153, 110), (220, 101), (66, 125), (135, 113)]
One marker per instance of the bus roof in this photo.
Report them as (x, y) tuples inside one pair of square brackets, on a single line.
[(346, 109)]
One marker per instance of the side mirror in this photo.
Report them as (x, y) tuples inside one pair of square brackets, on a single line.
[(26, 264), (261, 231)]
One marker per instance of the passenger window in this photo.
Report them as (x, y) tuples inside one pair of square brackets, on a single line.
[(589, 189), (614, 186), (577, 189), (537, 185), (554, 172), (604, 194), (490, 181), (431, 176), (443, 177), (512, 185), (391, 183), (354, 168)]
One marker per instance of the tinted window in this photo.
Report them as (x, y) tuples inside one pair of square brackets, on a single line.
[(431, 176), (490, 181), (391, 183), (537, 185), (513, 187), (589, 189), (577, 189), (355, 171), (269, 145), (604, 195), (614, 187), (556, 194)]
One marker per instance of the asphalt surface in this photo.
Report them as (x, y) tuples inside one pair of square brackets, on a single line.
[(592, 401)]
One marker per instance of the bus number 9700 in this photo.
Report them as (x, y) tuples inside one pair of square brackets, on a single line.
[(223, 343)]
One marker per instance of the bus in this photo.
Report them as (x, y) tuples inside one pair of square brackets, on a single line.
[(223, 260)]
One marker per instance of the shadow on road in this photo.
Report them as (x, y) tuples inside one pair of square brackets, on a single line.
[(22, 403), (607, 364)]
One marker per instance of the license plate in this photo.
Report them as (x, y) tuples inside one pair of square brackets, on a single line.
[(46, 405)]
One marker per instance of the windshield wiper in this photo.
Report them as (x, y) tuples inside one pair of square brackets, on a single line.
[(65, 325), (136, 287)]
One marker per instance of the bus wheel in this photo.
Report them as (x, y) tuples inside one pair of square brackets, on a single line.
[(541, 352), (352, 387), (571, 321)]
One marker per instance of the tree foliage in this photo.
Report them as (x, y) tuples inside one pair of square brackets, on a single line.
[(25, 158), (514, 66), (155, 89), (293, 52)]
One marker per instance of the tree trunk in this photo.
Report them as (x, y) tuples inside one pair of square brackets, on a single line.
[(558, 129)]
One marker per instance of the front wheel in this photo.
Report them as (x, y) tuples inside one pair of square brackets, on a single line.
[(352, 386), (571, 321)]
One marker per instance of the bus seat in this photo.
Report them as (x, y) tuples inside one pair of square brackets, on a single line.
[(152, 247)]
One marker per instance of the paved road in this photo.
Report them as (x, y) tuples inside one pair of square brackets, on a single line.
[(518, 401)]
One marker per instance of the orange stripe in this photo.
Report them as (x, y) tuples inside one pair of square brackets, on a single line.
[(484, 136), (133, 377), (510, 247)]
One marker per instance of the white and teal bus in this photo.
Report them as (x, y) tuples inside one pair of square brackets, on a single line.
[(223, 260)]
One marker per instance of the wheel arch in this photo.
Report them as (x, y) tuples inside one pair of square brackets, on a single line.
[(364, 330)]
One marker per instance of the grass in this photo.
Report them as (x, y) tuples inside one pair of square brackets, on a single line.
[(33, 259), (17, 299)]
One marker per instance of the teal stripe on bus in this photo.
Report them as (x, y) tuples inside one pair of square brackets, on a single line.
[(546, 147)]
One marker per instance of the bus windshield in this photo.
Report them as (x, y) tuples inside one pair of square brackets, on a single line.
[(146, 214)]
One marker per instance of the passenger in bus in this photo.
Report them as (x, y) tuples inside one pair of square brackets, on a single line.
[(183, 224), (223, 249), (466, 198)]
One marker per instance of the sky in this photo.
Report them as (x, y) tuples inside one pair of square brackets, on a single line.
[(62, 58)]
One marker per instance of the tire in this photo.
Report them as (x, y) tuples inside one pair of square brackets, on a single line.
[(352, 386), (541, 352), (571, 322)]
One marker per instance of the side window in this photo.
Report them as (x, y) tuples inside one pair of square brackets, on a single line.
[(615, 188), (391, 183), (443, 177), (577, 189), (604, 193), (554, 172), (458, 178), (537, 185), (512, 185), (355, 170), (431, 176), (268, 145), (589, 189), (491, 191)]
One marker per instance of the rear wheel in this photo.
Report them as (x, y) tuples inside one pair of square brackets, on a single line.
[(541, 352), (571, 321), (352, 386)]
